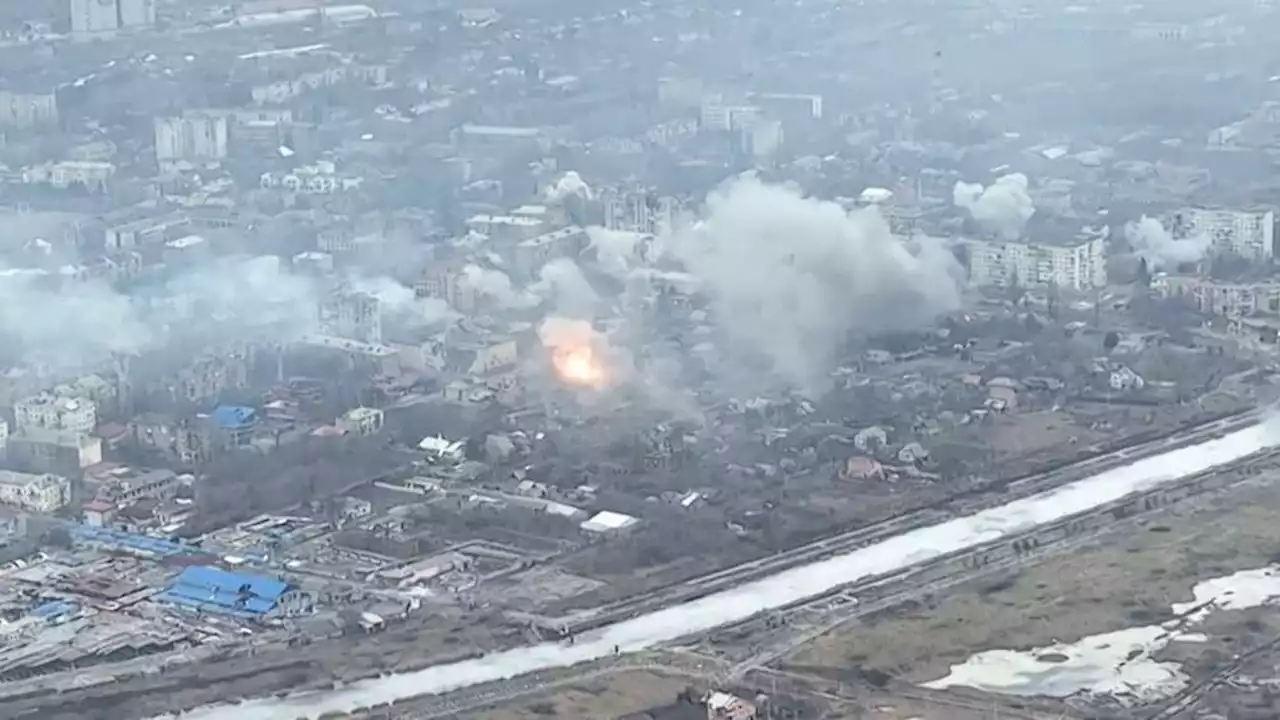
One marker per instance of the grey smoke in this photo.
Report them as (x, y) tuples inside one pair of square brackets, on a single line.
[(67, 324), (400, 305), (618, 252), (791, 277), (1152, 242), (561, 281), (496, 285), (1003, 208), (571, 183)]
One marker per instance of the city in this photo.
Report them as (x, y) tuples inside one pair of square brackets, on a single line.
[(809, 359)]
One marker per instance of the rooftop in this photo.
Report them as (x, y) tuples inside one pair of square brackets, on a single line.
[(233, 417), (607, 521), (211, 589), (19, 479)]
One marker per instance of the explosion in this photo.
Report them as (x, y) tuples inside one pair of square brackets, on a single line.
[(579, 366), (575, 352)]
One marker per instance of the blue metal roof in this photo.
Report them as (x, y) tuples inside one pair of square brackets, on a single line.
[(215, 590), (233, 417), (132, 541), (53, 609)]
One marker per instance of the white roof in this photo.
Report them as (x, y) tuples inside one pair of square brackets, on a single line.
[(607, 520), (720, 700)]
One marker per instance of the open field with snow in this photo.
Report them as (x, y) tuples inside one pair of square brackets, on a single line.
[(1113, 604)]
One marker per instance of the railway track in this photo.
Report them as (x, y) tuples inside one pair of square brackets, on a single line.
[(865, 597), (852, 602), (980, 497)]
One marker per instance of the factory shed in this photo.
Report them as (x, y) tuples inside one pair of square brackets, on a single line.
[(209, 589), (233, 417), (608, 522)]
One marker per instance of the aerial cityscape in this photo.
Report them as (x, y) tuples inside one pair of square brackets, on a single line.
[(771, 360)]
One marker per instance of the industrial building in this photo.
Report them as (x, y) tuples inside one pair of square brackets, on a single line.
[(205, 588), (234, 422)]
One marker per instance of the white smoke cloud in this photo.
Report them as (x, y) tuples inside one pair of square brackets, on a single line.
[(1003, 208), (1153, 243), (496, 285), (571, 183), (562, 281), (791, 277), (618, 252), (399, 304), (71, 324)]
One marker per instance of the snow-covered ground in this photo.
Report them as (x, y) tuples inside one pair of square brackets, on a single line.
[(779, 590), (1116, 665)]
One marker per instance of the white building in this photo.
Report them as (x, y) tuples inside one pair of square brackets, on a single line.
[(23, 110), (717, 115), (319, 179), (43, 493), (50, 412), (1079, 264), (195, 136), (638, 210), (362, 421), (136, 13), (99, 17), (607, 522), (352, 315), (91, 175), (1222, 298), (1247, 233)]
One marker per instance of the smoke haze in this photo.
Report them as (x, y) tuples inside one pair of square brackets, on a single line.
[(1003, 208), (790, 277), (1153, 243)]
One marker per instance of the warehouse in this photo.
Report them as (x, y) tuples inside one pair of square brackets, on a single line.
[(208, 589)]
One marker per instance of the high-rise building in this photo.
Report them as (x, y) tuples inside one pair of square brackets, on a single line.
[(193, 137), (638, 210), (1078, 263), (1247, 233), (352, 315)]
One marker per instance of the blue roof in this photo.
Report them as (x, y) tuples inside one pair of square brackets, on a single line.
[(233, 417), (132, 541), (53, 609), (214, 590)]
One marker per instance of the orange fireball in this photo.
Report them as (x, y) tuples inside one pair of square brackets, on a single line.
[(579, 366)]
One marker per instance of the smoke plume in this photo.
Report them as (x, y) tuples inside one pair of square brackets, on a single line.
[(1003, 208), (497, 285), (400, 305), (570, 183), (1153, 243), (618, 252), (791, 277), (562, 281), (71, 324)]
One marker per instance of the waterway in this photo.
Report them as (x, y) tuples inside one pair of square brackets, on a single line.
[(785, 588)]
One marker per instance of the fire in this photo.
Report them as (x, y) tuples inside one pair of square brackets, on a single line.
[(579, 366)]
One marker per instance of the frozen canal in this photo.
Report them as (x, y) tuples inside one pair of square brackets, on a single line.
[(787, 587)]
